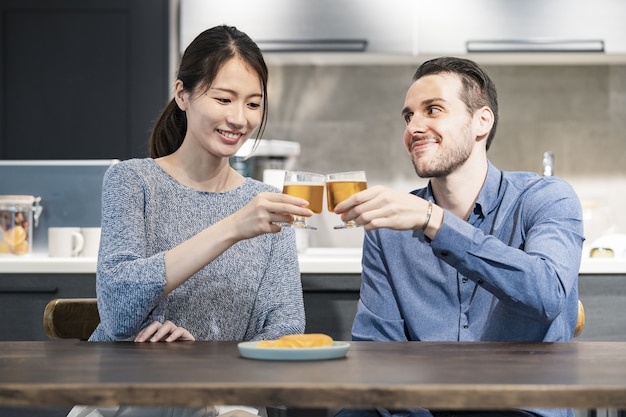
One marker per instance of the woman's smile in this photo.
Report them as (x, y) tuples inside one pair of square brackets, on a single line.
[(230, 137)]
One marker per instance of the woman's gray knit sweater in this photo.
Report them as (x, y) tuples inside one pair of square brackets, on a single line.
[(250, 292)]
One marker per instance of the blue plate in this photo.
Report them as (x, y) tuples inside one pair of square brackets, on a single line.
[(335, 351)]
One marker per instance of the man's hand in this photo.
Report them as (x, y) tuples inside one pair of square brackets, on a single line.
[(379, 207)]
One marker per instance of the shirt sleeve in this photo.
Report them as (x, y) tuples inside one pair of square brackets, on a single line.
[(369, 323), (531, 258)]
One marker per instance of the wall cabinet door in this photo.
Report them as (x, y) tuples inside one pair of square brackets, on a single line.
[(79, 79), (446, 26), (308, 26)]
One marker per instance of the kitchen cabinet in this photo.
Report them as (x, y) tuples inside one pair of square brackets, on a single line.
[(330, 302), (305, 26), (23, 298), (401, 31), (446, 27), (81, 80), (604, 299)]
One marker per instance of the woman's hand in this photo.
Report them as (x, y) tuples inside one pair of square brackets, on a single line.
[(163, 332), (262, 213)]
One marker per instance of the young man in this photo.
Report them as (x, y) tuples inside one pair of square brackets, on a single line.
[(479, 254)]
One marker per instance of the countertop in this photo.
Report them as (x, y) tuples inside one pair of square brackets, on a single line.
[(312, 261)]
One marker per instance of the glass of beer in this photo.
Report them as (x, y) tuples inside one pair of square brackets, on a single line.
[(306, 185), (342, 185)]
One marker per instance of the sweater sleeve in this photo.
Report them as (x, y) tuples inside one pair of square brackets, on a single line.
[(280, 306), (129, 284)]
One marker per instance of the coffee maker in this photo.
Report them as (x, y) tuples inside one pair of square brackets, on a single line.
[(256, 156)]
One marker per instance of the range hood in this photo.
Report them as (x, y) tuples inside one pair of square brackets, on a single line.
[(308, 26)]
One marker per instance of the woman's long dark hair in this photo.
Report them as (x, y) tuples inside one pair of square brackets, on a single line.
[(199, 66)]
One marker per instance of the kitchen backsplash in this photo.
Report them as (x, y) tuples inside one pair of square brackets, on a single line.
[(70, 191), (348, 118)]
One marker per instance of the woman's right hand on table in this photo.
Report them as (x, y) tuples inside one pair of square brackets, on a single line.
[(163, 332)]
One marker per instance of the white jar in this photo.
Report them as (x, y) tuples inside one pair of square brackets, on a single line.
[(18, 213)]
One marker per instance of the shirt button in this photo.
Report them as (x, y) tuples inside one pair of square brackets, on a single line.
[(464, 280), (465, 326)]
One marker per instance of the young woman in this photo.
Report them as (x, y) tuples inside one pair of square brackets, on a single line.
[(190, 249)]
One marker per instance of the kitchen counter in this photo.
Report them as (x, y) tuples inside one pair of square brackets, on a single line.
[(313, 261)]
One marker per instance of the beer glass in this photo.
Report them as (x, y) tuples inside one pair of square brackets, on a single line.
[(306, 185), (340, 186)]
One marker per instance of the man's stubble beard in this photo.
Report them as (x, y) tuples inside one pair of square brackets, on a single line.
[(444, 162)]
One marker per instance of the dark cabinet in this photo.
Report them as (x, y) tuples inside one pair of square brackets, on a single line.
[(81, 79), (330, 303), (604, 299), (23, 298)]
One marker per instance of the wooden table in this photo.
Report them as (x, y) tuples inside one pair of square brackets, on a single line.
[(389, 374)]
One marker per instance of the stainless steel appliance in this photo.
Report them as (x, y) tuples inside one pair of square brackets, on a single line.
[(253, 158)]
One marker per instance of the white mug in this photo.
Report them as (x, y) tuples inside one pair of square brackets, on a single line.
[(92, 241), (65, 242)]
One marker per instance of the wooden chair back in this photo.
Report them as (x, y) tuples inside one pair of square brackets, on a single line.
[(580, 323), (71, 318)]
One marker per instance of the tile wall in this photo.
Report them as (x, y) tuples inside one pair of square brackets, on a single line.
[(348, 118)]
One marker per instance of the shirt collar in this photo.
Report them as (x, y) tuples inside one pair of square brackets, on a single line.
[(488, 197)]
